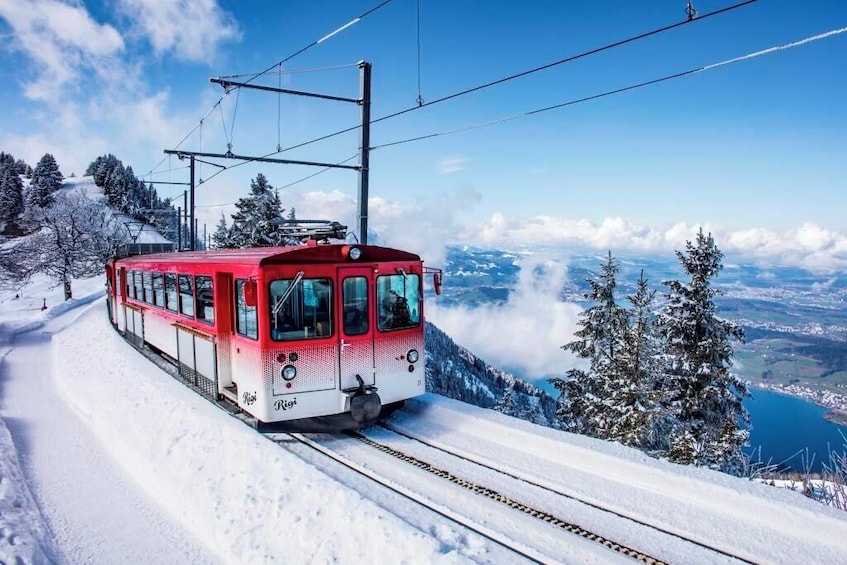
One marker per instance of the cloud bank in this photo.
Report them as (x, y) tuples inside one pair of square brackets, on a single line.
[(524, 335)]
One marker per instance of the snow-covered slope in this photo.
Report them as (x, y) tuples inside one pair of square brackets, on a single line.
[(239, 498)]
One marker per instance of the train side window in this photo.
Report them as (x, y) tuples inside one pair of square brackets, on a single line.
[(130, 284), (147, 283), (398, 297), (354, 294), (158, 290), (245, 316), (138, 288), (305, 312), (186, 296), (170, 292), (205, 299)]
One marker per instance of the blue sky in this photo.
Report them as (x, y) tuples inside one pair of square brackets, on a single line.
[(753, 151)]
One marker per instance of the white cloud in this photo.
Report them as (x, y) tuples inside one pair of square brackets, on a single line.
[(526, 333), (450, 165), (191, 29), (63, 39), (809, 246), (92, 85)]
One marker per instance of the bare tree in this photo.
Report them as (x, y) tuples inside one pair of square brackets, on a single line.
[(77, 236)]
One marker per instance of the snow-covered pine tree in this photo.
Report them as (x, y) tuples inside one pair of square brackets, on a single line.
[(255, 224), (6, 159), (21, 167), (11, 194), (221, 236), (636, 398), (710, 423), (46, 179), (585, 394)]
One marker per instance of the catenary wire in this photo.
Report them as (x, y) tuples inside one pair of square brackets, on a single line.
[(620, 90), (502, 80), (321, 40)]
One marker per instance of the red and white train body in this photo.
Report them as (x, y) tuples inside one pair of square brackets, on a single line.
[(302, 338)]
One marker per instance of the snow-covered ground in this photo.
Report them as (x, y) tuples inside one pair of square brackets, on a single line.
[(106, 459)]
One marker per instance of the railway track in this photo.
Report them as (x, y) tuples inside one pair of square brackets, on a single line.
[(460, 510), (537, 483)]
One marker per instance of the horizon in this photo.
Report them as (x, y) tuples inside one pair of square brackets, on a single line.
[(750, 152)]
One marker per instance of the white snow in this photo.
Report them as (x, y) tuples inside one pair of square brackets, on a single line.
[(106, 459)]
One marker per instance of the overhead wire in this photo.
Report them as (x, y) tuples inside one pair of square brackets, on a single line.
[(319, 41), (508, 78), (621, 90), (589, 98), (420, 95)]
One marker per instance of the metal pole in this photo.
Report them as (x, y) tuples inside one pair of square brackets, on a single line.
[(178, 228), (193, 224), (364, 150), (184, 218)]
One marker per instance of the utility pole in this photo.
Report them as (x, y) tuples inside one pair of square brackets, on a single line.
[(364, 102), (364, 149), (192, 245)]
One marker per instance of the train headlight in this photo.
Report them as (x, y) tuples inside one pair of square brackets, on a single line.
[(289, 372), (412, 356), (354, 253)]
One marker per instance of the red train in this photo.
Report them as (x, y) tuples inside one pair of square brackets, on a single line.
[(315, 337)]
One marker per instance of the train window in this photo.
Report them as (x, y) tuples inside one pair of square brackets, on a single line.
[(170, 292), (137, 287), (130, 284), (245, 316), (355, 296), (398, 297), (205, 299), (186, 296), (301, 312), (158, 290), (147, 283)]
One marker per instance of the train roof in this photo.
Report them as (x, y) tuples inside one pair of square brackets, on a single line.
[(260, 256)]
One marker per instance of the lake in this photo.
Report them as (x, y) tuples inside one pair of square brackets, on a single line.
[(783, 426)]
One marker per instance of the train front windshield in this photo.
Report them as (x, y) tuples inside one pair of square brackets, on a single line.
[(300, 309), (398, 299)]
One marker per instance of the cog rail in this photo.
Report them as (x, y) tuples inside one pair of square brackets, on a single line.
[(514, 504), (559, 492), (492, 535)]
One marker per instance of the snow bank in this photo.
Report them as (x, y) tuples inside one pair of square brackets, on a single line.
[(247, 499)]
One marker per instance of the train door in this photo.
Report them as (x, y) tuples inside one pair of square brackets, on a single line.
[(223, 298), (356, 351), (121, 293)]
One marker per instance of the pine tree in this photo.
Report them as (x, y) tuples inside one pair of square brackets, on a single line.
[(46, 179), (585, 394), (11, 194), (6, 159), (710, 423), (256, 223), (636, 398), (221, 237)]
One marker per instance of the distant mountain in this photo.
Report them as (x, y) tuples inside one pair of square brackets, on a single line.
[(455, 372)]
